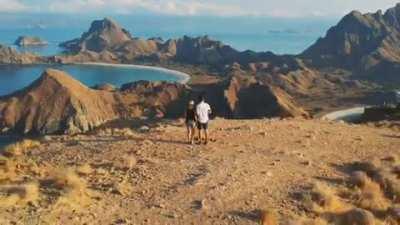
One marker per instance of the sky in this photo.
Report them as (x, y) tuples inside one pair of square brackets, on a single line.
[(270, 8)]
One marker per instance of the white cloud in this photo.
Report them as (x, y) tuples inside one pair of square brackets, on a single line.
[(173, 7), (281, 8), (12, 6)]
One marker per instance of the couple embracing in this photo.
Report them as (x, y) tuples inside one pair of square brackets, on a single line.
[(198, 116)]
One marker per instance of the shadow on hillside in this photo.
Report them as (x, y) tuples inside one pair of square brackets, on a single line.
[(118, 139), (253, 215), (391, 136)]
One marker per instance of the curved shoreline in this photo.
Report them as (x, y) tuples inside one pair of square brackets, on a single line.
[(183, 78), (348, 115)]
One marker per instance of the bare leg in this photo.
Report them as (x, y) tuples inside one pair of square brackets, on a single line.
[(193, 131), (199, 135), (188, 132), (206, 136)]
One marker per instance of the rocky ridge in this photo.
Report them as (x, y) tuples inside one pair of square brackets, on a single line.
[(366, 44), (56, 103)]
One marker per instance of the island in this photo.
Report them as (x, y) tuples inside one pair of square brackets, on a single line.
[(26, 41)]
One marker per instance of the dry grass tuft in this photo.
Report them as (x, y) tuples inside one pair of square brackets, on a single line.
[(356, 217), (127, 162), (269, 217), (359, 179), (374, 184), (85, 169), (74, 191), (307, 221), (322, 199), (8, 170), (20, 148), (124, 188), (370, 196), (18, 195)]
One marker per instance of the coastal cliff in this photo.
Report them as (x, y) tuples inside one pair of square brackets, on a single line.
[(9, 55)]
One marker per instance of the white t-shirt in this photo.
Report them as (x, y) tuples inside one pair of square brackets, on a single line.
[(203, 110)]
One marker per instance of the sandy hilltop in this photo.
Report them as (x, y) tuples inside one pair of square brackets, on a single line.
[(117, 155)]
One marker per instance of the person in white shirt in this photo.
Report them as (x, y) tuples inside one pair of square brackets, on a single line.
[(203, 112)]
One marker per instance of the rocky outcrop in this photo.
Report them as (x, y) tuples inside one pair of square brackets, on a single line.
[(103, 35), (364, 43), (9, 55), (56, 103), (247, 98), (26, 41), (203, 50), (161, 99)]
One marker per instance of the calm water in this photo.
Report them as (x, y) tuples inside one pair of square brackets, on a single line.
[(6, 140), (282, 36), (14, 78)]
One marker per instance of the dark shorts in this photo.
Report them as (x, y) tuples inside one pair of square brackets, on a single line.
[(191, 124), (202, 126)]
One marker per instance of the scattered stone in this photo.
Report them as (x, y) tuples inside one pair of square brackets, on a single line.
[(144, 129), (147, 142)]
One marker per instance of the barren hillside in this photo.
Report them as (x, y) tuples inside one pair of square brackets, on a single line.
[(149, 175)]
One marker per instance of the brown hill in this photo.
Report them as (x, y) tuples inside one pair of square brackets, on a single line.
[(251, 99), (240, 96), (56, 103)]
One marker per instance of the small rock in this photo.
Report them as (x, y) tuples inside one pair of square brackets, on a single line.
[(203, 204), (120, 222), (148, 142), (144, 129), (47, 138), (128, 132), (101, 171)]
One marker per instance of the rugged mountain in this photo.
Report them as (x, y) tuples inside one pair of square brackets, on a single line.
[(9, 55), (29, 41), (56, 103), (364, 43), (106, 38), (102, 35)]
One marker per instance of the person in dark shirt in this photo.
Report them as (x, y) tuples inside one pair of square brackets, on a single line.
[(191, 120)]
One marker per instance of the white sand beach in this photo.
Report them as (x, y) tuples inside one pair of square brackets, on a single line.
[(183, 77), (347, 115)]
